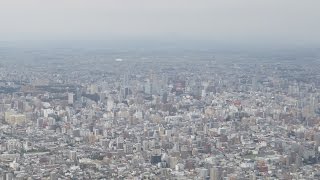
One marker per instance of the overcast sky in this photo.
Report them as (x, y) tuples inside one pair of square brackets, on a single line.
[(290, 21)]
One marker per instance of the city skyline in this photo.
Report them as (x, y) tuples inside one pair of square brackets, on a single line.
[(159, 90)]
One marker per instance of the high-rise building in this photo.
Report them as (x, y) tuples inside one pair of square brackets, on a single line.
[(70, 98), (214, 173), (73, 155), (148, 87)]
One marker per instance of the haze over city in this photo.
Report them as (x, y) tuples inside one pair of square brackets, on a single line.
[(159, 89)]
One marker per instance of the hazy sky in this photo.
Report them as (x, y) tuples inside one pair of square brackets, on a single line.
[(290, 21)]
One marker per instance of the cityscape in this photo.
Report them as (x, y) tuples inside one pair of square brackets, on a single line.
[(173, 115), (159, 90)]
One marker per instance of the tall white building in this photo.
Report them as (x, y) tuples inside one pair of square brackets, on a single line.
[(70, 98)]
